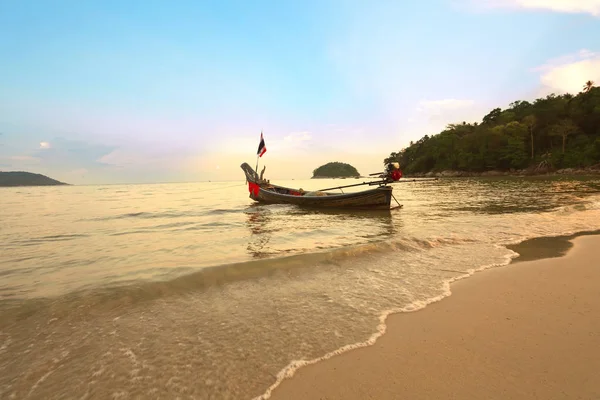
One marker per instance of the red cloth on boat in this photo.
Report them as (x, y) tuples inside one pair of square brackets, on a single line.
[(253, 188)]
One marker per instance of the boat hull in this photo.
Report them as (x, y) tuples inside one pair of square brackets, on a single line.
[(261, 191), (378, 198)]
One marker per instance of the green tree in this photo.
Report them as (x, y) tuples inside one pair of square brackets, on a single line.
[(564, 128), (523, 135), (335, 170), (492, 116)]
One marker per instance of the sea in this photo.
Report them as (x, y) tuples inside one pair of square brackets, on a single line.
[(193, 291)]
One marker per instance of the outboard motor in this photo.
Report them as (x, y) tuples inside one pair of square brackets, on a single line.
[(393, 171)]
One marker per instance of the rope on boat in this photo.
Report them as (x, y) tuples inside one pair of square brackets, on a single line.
[(399, 205)]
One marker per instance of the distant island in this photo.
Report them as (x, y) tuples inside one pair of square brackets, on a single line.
[(554, 134), (21, 178), (335, 170)]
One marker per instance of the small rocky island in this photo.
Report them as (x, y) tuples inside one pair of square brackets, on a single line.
[(21, 178), (335, 170)]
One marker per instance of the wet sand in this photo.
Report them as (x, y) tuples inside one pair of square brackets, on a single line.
[(530, 330)]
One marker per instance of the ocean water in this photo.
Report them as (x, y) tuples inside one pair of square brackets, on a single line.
[(192, 291)]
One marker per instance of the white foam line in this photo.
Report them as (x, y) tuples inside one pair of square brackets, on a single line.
[(295, 365), (42, 379)]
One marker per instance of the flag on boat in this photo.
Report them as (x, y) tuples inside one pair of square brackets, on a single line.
[(262, 149)]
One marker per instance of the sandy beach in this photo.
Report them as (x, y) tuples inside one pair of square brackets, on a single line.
[(530, 330)]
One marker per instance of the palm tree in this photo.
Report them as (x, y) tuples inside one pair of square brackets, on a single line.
[(530, 122), (564, 128), (588, 86)]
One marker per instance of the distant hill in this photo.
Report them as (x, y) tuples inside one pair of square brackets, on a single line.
[(21, 178), (335, 170)]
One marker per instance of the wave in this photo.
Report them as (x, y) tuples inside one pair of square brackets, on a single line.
[(587, 204), (290, 370), (135, 291), (132, 232), (51, 238), (222, 211), (167, 214), (140, 215), (175, 226)]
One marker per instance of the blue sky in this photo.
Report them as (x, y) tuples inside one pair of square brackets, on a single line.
[(154, 91)]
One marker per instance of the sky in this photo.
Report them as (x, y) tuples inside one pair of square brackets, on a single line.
[(156, 91)]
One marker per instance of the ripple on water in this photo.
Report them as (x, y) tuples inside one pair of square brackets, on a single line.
[(200, 313)]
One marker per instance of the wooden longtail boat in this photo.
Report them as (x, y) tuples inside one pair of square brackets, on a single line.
[(378, 198)]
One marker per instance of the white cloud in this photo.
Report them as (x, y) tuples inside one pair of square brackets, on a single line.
[(276, 143), (44, 145), (569, 73), (565, 6), (298, 137), (432, 116), (444, 111), (583, 54)]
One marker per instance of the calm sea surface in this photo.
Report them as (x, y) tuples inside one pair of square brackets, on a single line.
[(192, 291)]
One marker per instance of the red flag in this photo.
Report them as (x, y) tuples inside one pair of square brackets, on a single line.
[(262, 149)]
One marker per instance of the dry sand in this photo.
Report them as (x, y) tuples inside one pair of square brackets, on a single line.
[(530, 330)]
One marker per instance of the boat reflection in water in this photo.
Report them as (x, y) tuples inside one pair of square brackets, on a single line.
[(258, 218), (279, 230)]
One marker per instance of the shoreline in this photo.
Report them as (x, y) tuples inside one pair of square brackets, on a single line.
[(293, 367), (317, 376), (548, 173)]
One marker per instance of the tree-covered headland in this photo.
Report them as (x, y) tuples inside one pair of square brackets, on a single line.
[(22, 178), (551, 133), (335, 170)]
